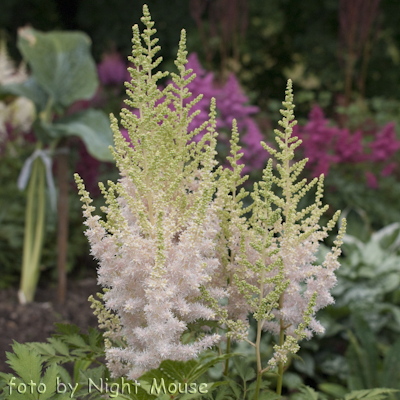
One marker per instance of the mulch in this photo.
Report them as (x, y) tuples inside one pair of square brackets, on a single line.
[(34, 322)]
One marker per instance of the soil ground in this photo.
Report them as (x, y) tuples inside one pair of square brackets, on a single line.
[(34, 322)]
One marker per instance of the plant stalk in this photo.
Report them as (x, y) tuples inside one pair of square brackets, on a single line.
[(281, 342), (34, 232), (228, 349), (62, 231)]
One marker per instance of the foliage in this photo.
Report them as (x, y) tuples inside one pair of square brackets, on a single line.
[(37, 364), (63, 72), (370, 277), (366, 369), (367, 290)]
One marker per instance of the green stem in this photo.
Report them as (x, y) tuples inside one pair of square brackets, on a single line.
[(228, 350), (258, 340), (28, 235), (281, 342), (258, 385), (34, 232)]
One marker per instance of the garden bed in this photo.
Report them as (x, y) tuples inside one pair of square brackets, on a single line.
[(34, 322)]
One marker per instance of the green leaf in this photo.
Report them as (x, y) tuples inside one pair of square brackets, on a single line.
[(235, 388), (292, 380), (61, 63), (307, 366), (269, 396), (203, 368), (333, 389), (391, 367), (210, 388), (308, 393), (369, 360), (44, 349), (371, 394), (66, 329), (59, 346), (29, 89), (25, 362), (75, 340), (50, 380), (388, 237), (93, 127)]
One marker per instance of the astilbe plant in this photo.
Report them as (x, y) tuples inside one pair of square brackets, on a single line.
[(171, 251), (156, 248), (269, 260)]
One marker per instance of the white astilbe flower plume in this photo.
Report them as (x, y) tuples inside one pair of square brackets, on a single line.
[(172, 256), (157, 247), (268, 261)]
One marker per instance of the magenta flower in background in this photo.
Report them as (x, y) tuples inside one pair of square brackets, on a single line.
[(326, 145), (318, 138), (386, 144), (388, 170), (231, 104), (372, 181), (349, 147), (112, 69)]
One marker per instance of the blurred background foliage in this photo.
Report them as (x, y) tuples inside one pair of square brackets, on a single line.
[(343, 56), (276, 38)]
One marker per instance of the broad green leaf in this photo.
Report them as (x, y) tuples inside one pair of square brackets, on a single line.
[(29, 89), (93, 127), (389, 236), (61, 63)]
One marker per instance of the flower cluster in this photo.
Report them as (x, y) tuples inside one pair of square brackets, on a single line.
[(176, 249), (327, 145), (230, 99), (270, 259), (231, 104), (157, 247)]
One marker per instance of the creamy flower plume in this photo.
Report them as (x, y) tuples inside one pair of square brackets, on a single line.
[(176, 248), (269, 260), (157, 247)]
